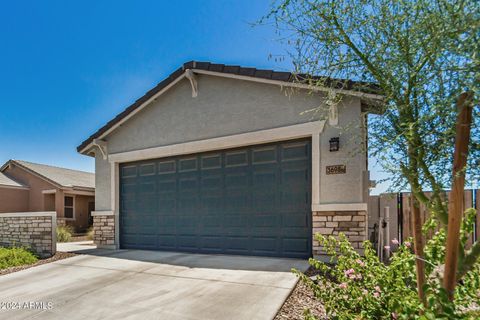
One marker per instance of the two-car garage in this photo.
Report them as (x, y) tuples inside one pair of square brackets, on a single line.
[(252, 200)]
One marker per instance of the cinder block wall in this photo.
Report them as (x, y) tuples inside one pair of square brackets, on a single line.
[(33, 230)]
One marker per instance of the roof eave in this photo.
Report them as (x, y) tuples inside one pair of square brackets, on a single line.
[(235, 72)]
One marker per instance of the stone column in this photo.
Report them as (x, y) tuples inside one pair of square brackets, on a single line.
[(104, 229)]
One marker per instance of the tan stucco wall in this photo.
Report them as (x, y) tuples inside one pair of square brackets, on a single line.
[(227, 107), (36, 185), (81, 212), (13, 200)]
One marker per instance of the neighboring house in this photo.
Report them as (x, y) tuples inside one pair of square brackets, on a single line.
[(223, 159), (13, 195), (26, 186)]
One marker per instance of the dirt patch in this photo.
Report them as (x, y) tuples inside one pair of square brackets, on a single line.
[(300, 299), (57, 256)]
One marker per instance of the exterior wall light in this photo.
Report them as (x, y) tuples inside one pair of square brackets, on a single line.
[(334, 144)]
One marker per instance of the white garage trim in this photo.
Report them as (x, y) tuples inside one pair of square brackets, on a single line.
[(340, 207), (303, 130)]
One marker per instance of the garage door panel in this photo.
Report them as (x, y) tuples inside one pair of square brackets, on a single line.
[(264, 201), (147, 169), (293, 201), (212, 243), (211, 162), (210, 183), (236, 220), (129, 171), (265, 244), (187, 242), (166, 242), (295, 151), (187, 165), (188, 185), (295, 246), (236, 179), (187, 203), (264, 155), (252, 201), (167, 185), (237, 244), (293, 219), (236, 158), (128, 188)]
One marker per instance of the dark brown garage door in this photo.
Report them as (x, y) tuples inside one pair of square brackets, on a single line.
[(251, 201)]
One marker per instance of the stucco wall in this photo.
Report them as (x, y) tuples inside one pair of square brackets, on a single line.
[(348, 187), (13, 200), (223, 107), (226, 107), (81, 212), (36, 198), (102, 183)]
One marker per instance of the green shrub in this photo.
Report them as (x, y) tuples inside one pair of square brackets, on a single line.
[(90, 233), (361, 287), (12, 257), (64, 233)]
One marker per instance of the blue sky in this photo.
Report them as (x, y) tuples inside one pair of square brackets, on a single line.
[(67, 67)]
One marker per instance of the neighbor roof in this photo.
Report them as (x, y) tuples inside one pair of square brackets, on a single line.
[(287, 77), (61, 177), (9, 182)]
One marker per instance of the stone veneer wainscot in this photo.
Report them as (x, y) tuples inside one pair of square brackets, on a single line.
[(332, 223), (104, 229), (33, 230)]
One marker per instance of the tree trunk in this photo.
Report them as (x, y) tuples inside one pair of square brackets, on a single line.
[(455, 206), (418, 247)]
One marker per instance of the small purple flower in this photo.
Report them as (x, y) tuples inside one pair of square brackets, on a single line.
[(408, 244), (376, 294), (342, 285), (395, 241)]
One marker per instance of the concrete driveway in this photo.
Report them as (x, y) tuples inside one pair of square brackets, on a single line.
[(133, 284)]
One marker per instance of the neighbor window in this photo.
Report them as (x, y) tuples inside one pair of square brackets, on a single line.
[(69, 207)]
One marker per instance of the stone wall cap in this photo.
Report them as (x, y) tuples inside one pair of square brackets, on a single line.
[(340, 207), (102, 213), (29, 214)]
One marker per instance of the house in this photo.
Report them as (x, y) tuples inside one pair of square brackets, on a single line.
[(33, 187), (224, 159)]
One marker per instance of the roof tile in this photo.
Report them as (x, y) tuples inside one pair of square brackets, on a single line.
[(61, 176)]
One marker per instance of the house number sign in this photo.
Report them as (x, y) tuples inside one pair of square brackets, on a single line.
[(337, 169)]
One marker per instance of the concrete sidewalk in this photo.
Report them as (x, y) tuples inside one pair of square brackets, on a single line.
[(133, 284)]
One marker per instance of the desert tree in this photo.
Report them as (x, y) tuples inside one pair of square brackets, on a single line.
[(424, 57)]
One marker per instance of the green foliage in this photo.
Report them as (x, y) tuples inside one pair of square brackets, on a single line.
[(13, 257), (90, 233), (422, 55), (361, 287), (64, 233)]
